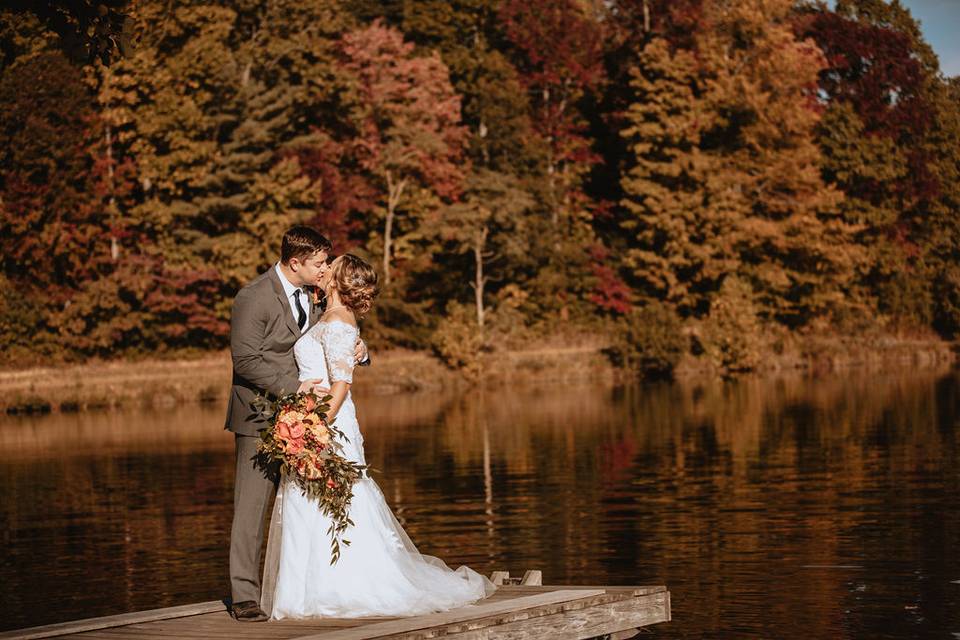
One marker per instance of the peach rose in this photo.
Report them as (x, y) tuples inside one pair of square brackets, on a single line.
[(294, 447), (297, 429), (309, 403), (283, 431)]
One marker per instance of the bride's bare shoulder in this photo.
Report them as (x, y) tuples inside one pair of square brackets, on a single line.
[(340, 314)]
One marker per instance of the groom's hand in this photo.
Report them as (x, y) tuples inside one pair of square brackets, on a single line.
[(360, 353)]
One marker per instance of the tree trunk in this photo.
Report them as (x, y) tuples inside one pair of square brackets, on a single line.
[(394, 193), (112, 205), (387, 230), (480, 241)]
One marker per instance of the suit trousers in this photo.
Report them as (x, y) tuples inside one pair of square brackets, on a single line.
[(252, 491)]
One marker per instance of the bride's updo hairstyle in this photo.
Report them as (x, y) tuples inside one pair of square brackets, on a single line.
[(356, 282)]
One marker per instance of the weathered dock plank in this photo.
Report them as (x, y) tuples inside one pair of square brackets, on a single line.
[(632, 590), (599, 619), (514, 612), (429, 626), (63, 628)]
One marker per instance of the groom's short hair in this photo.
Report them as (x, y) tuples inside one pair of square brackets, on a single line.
[(301, 242)]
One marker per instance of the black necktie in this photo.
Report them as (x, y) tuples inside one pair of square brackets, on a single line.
[(301, 314)]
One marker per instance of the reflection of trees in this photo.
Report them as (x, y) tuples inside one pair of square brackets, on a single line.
[(754, 478), (89, 534), (184, 428), (726, 491), (718, 488)]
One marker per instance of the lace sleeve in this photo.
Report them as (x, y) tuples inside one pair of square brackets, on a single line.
[(339, 342)]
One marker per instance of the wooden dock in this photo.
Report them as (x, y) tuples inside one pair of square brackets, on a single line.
[(515, 611)]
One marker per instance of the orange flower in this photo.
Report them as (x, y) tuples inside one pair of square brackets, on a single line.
[(294, 447), (309, 403), (297, 429)]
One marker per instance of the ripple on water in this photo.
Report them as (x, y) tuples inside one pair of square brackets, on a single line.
[(824, 508)]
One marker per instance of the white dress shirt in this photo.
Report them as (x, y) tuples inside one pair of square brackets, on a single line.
[(290, 290)]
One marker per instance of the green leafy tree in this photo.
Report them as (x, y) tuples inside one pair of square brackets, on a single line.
[(884, 141), (484, 224), (649, 340), (727, 172), (732, 334), (217, 106), (938, 231)]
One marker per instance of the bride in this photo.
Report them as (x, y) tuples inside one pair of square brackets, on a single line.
[(380, 573)]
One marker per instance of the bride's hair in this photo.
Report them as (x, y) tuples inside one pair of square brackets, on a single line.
[(356, 282)]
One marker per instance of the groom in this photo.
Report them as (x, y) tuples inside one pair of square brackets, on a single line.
[(269, 315)]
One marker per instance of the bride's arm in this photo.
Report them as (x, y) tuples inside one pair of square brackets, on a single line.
[(339, 392), (339, 340)]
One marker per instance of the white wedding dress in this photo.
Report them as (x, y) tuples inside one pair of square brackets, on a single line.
[(380, 573)]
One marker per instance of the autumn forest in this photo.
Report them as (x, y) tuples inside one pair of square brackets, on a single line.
[(707, 176)]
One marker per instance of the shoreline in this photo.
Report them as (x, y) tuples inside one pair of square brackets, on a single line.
[(206, 378)]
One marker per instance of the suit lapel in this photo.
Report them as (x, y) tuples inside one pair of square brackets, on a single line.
[(284, 301)]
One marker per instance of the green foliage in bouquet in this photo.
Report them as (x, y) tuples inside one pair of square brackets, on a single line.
[(308, 449)]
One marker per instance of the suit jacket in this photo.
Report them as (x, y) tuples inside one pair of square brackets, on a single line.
[(262, 334)]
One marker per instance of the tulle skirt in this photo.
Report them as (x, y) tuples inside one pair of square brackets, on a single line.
[(380, 573)]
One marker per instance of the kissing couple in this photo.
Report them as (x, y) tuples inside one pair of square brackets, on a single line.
[(282, 339)]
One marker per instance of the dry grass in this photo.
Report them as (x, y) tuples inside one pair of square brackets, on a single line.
[(570, 360), (104, 385)]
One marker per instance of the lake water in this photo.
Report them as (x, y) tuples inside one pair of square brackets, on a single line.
[(813, 508)]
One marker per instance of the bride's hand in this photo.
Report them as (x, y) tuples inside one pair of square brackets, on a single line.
[(311, 385)]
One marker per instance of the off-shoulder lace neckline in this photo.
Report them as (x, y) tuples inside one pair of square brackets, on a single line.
[(318, 327), (337, 320)]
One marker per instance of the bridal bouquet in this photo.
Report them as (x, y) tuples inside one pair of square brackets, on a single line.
[(299, 438)]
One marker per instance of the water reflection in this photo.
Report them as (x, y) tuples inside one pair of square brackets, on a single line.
[(780, 508)]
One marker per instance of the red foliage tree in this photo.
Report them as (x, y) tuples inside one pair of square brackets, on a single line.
[(46, 117), (559, 58), (557, 48), (875, 68), (410, 131), (346, 195), (95, 281), (610, 292)]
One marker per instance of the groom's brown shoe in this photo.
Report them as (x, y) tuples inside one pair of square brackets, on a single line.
[(247, 611)]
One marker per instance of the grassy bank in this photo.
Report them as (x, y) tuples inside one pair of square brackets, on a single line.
[(833, 353), (104, 385), (157, 383)]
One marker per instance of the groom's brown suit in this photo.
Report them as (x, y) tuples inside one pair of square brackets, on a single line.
[(262, 334)]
